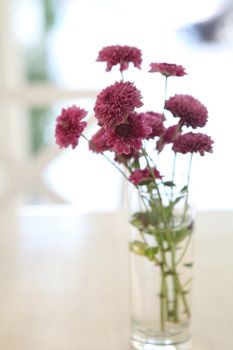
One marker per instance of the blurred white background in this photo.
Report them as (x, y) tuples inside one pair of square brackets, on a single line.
[(48, 50)]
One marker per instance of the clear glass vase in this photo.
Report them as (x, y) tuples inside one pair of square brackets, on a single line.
[(161, 271)]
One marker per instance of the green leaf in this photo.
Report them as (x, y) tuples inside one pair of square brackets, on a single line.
[(185, 292), (169, 183), (167, 212), (179, 235), (137, 247), (136, 164), (146, 182), (140, 219), (184, 189), (150, 252), (144, 220), (177, 200), (170, 314), (169, 273), (188, 264)]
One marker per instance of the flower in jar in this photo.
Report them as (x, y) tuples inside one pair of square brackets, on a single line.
[(122, 55), (115, 103), (190, 110), (69, 126)]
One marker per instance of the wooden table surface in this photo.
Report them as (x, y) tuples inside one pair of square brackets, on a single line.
[(64, 281)]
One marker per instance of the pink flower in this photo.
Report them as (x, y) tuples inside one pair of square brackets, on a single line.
[(116, 102), (190, 111), (122, 55), (128, 136), (167, 69), (191, 142), (155, 121), (98, 141), (168, 136), (138, 175), (69, 126), (124, 158)]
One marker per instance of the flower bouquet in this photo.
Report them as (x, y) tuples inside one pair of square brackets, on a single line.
[(162, 220)]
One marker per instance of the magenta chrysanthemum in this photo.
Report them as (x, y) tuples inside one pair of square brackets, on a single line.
[(138, 175), (167, 136), (168, 69), (155, 121), (124, 158), (190, 111), (128, 136), (121, 55), (191, 142), (69, 126), (98, 141), (116, 102)]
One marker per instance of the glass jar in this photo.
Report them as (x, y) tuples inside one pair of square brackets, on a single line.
[(161, 270)]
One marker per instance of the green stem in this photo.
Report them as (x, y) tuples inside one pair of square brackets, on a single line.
[(148, 156), (185, 249), (183, 298), (143, 200), (163, 291), (178, 292), (187, 282), (163, 288), (173, 174), (165, 189), (155, 183), (187, 195), (162, 302), (177, 287), (189, 169), (175, 296), (165, 93), (189, 175), (108, 159), (145, 242)]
